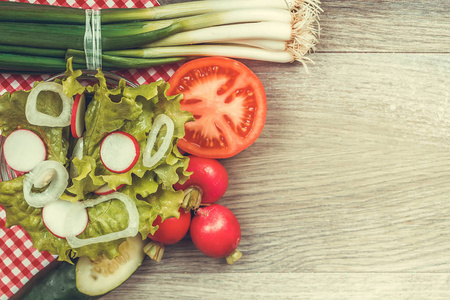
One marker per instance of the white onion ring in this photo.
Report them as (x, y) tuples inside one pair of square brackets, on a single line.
[(147, 159), (35, 117), (131, 230), (48, 171)]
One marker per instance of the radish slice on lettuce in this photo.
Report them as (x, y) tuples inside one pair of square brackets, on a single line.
[(23, 150), (148, 159), (77, 118), (119, 152), (49, 174), (106, 190), (131, 230), (36, 117), (54, 215)]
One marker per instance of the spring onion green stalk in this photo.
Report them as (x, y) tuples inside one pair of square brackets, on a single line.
[(111, 62), (14, 63), (53, 14), (33, 51)]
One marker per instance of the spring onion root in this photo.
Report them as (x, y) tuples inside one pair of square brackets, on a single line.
[(41, 37)]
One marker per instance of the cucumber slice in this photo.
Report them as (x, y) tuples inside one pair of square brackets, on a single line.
[(98, 277)]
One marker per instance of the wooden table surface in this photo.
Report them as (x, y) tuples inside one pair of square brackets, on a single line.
[(346, 194)]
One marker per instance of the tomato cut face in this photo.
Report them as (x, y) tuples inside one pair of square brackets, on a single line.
[(228, 102)]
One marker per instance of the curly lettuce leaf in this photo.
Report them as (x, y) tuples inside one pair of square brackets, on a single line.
[(107, 112)]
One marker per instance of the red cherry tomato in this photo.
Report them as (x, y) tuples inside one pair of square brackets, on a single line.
[(215, 231), (172, 230), (209, 179), (228, 102)]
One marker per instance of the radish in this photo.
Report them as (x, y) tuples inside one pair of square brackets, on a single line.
[(106, 190), (170, 231), (77, 117), (216, 232), (23, 150), (207, 184), (55, 213), (119, 152)]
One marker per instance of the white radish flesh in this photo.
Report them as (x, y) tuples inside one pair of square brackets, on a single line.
[(24, 150), (106, 190), (50, 174), (77, 118), (36, 117), (55, 213), (119, 152), (150, 160)]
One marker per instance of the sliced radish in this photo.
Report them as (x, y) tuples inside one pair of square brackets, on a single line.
[(55, 213), (50, 174), (77, 118), (119, 152), (36, 117), (24, 150), (106, 190)]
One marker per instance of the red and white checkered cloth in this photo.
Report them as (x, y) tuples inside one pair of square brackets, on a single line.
[(19, 260)]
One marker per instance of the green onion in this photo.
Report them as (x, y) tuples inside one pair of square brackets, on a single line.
[(269, 30), (115, 62), (235, 51), (14, 63)]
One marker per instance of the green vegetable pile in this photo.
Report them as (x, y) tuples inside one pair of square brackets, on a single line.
[(124, 108)]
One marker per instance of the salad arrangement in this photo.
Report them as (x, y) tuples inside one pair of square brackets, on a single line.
[(101, 170)]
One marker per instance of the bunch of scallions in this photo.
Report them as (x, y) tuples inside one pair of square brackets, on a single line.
[(39, 38)]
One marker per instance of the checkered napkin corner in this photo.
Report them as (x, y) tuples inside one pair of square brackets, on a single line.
[(19, 260)]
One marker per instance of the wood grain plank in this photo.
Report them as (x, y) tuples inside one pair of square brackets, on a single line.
[(350, 174), (286, 286), (385, 26)]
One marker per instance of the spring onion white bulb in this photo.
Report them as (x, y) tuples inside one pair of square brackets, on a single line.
[(273, 31)]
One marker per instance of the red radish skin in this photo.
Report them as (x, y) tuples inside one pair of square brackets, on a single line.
[(119, 152), (77, 117), (23, 150), (207, 184), (106, 190), (216, 232), (55, 213), (171, 230)]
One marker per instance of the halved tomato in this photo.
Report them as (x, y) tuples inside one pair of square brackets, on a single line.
[(228, 102)]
